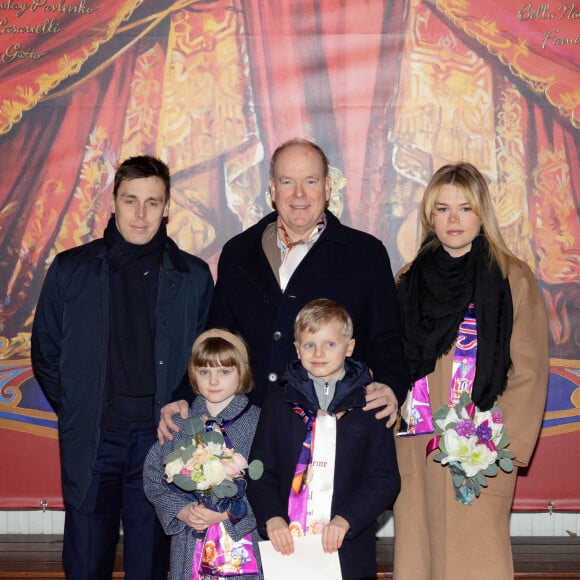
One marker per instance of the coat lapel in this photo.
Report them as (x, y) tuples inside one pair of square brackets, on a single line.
[(257, 268)]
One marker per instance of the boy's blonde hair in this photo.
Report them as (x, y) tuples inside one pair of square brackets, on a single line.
[(221, 348), (471, 182), (322, 311)]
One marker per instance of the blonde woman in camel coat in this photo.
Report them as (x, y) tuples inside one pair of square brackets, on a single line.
[(464, 259)]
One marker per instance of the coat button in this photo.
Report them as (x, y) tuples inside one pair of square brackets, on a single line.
[(277, 335), (272, 377), (161, 362)]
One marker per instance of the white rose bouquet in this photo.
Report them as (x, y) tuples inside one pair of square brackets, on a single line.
[(473, 443), (209, 471)]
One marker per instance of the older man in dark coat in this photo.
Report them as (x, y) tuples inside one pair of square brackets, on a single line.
[(298, 253)]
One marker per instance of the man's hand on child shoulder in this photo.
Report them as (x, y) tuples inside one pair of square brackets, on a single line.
[(381, 396), (167, 426)]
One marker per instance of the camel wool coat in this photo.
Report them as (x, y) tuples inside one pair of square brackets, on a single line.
[(436, 537)]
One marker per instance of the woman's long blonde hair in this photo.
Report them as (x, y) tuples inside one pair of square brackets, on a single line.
[(468, 178)]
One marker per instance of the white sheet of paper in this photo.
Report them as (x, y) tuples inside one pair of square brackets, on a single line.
[(307, 561)]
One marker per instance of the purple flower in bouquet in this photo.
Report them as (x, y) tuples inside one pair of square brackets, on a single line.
[(472, 443), (465, 428), (484, 433)]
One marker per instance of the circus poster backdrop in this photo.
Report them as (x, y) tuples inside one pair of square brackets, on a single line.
[(390, 89)]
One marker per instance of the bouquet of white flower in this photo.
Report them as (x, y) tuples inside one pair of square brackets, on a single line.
[(212, 472), (473, 444)]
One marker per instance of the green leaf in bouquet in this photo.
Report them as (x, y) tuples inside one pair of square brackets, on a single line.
[(213, 437), (219, 491), (507, 453), (441, 413), (458, 479), (439, 457), (506, 464), (187, 453), (442, 446), (491, 470), (481, 478), (503, 441), (476, 486), (228, 488), (173, 456), (256, 469), (184, 483), (464, 399), (193, 426), (458, 475)]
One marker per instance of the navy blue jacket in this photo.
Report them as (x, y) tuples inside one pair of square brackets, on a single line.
[(345, 265), (70, 344), (366, 479)]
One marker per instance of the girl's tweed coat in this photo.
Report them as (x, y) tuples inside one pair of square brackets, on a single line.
[(168, 503)]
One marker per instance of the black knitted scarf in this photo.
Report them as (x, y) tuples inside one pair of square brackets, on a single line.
[(434, 295), (134, 275)]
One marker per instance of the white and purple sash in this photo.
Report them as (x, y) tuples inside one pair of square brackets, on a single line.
[(310, 499)]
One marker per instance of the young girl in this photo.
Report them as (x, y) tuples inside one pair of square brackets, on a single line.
[(473, 321), (220, 375)]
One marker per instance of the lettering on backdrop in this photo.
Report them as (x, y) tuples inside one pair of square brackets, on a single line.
[(565, 13), (33, 19)]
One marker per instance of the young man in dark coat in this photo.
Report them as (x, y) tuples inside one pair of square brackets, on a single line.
[(298, 253), (111, 339)]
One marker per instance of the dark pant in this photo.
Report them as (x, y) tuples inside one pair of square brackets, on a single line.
[(116, 494)]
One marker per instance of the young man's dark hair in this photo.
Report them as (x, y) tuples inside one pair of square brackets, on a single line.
[(142, 166)]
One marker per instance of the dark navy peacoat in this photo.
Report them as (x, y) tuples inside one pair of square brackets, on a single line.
[(345, 265)]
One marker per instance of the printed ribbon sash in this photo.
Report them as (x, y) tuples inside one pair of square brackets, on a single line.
[(310, 498), (416, 414), (321, 485), (218, 556)]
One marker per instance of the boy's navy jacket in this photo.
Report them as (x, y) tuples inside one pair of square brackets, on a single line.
[(366, 479)]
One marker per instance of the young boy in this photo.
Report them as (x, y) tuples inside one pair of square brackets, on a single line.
[(329, 467)]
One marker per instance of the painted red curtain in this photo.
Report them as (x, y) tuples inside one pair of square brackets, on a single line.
[(537, 42), (315, 69), (390, 90), (45, 44)]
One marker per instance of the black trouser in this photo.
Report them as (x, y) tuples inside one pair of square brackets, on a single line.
[(116, 494)]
